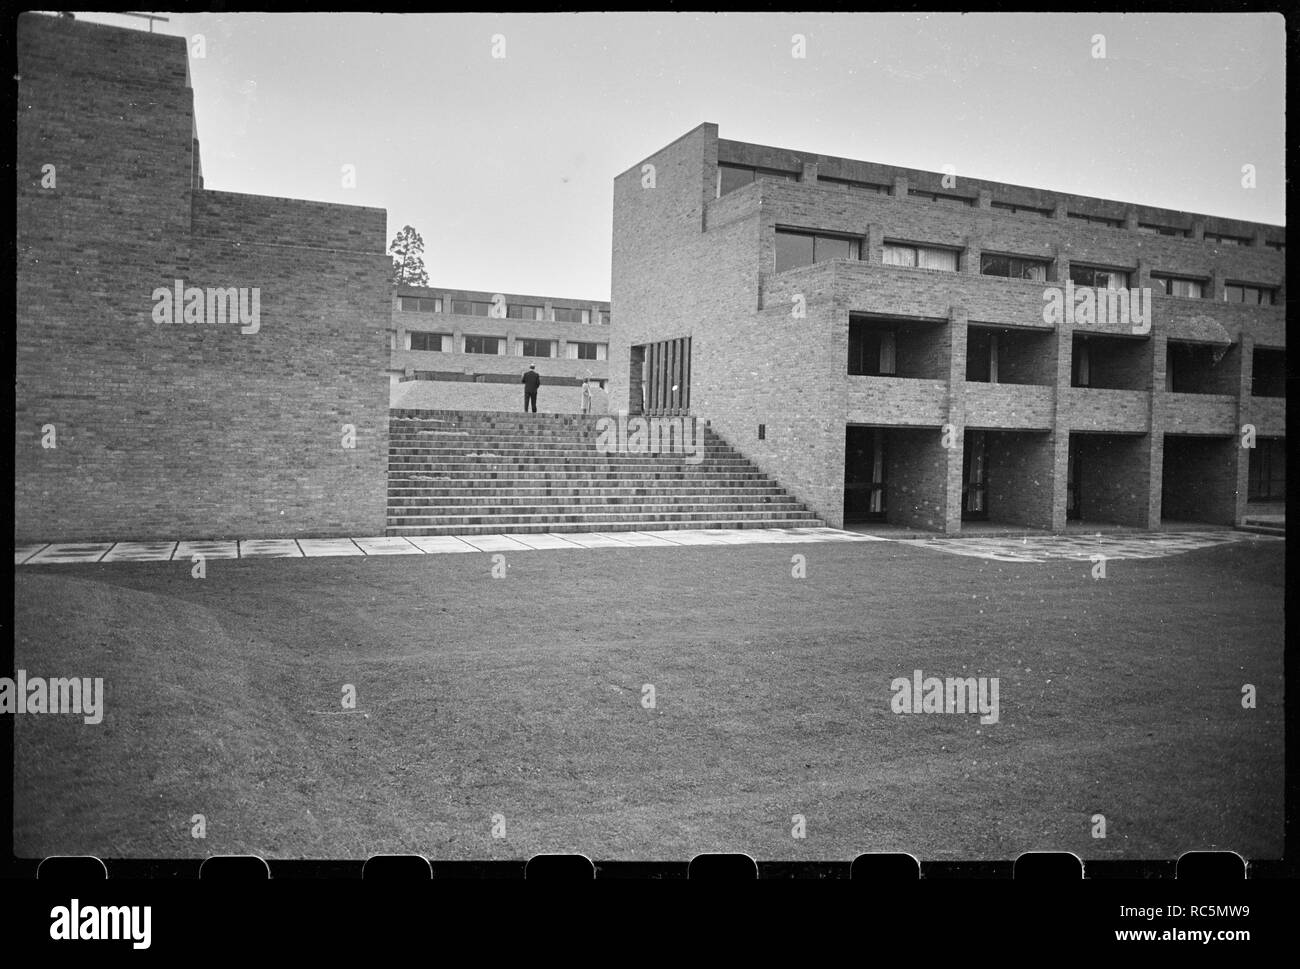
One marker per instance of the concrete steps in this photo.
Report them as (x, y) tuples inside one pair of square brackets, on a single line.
[(480, 473)]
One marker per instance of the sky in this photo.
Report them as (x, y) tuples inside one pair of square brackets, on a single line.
[(505, 164)]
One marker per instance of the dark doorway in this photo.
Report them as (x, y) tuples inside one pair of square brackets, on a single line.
[(864, 474), (974, 478)]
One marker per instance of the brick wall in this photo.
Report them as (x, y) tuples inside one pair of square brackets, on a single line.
[(1020, 467), (182, 429), (1199, 479)]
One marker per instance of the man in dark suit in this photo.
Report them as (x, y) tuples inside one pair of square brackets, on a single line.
[(531, 381)]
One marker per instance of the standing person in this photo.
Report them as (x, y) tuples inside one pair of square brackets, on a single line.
[(586, 394), (531, 381)]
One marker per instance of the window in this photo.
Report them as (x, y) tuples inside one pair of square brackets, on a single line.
[(1254, 295), (1097, 220), (1224, 240), (1174, 286), (524, 311), (421, 304), (1099, 277), (534, 348), (920, 257), (471, 307), (794, 249), (603, 317), (960, 201), (1021, 209), (565, 314), (873, 352), (1267, 480), (732, 177), (493, 345), (850, 185), (1013, 267), (1278, 246), (586, 351), (435, 342), (1148, 228)]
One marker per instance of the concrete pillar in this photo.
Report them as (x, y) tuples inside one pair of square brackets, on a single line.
[(1061, 425), (951, 507), (900, 187), (1247, 362)]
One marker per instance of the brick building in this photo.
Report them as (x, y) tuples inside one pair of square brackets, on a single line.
[(893, 345), (466, 350), (139, 415)]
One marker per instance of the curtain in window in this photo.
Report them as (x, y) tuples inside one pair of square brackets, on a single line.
[(602, 351), (888, 347), (571, 351), (1085, 375), (899, 256), (993, 358), (976, 493), (878, 474), (945, 259)]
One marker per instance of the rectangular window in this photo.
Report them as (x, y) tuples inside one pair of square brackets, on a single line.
[(1099, 277), (471, 307), (421, 304), (1150, 229), (795, 249), (1277, 246), (1254, 295), (920, 257), (849, 184), (524, 311), (434, 342), (732, 177), (1013, 267), (604, 318), (1021, 209), (1267, 478), (586, 351), (565, 314), (1174, 286), (959, 201), (1223, 240), (492, 345), (1096, 220), (534, 348)]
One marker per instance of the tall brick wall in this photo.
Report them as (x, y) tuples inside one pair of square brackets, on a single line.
[(182, 429), (1020, 467), (1200, 479)]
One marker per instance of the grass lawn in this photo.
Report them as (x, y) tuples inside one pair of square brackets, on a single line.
[(521, 696)]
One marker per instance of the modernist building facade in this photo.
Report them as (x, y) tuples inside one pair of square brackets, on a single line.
[(467, 349), (883, 342)]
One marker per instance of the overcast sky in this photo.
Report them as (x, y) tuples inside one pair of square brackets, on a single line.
[(505, 164)]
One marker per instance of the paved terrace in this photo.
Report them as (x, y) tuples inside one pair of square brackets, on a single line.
[(1032, 548)]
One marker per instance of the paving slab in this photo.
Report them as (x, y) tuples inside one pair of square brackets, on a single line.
[(543, 541), (23, 552), (494, 543), (141, 552), (209, 550), (70, 552), (642, 540), (594, 540), (688, 536), (438, 544), (319, 547), (387, 545), (279, 548)]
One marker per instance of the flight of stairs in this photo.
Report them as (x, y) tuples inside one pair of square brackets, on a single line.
[(483, 472)]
